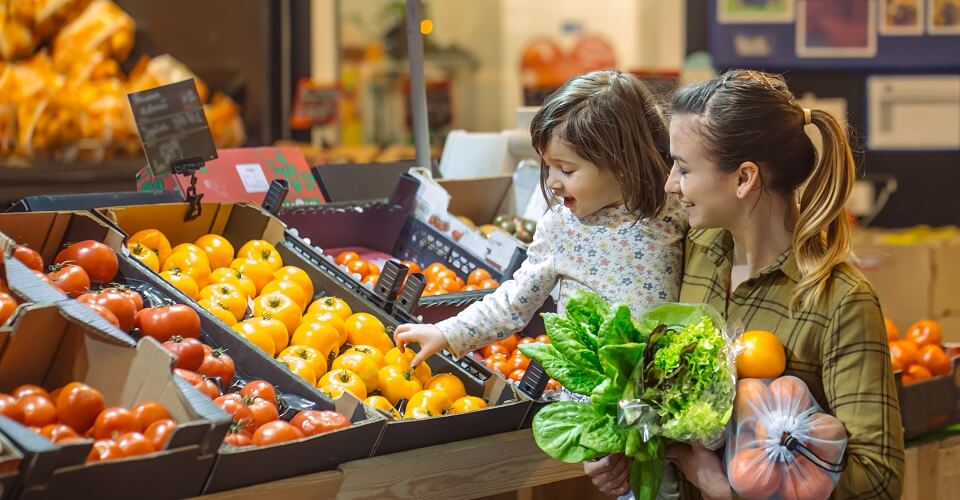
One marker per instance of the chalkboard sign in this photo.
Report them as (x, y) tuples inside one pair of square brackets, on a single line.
[(172, 126)]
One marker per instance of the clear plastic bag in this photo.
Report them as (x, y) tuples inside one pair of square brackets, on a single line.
[(782, 445), (103, 27)]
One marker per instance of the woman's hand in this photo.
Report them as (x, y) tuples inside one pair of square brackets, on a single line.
[(610, 474), (702, 468), (429, 337)]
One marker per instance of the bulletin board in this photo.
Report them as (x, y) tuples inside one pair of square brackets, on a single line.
[(863, 34)]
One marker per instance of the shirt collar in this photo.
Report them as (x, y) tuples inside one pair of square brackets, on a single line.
[(718, 244)]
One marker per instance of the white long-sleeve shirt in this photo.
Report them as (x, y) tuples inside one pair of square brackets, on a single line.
[(638, 264)]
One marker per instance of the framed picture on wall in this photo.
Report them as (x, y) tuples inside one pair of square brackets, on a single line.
[(755, 11), (901, 17), (943, 17), (833, 29)]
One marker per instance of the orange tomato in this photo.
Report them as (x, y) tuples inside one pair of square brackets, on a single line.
[(371, 351), (448, 383), (903, 353), (510, 342), (330, 319), (432, 270), (263, 251), (183, 282), (344, 257), (236, 278), (489, 283), (154, 240), (412, 267), (404, 359), (278, 306), (366, 329), (467, 404), (478, 276), (145, 256), (371, 279), (495, 348), (934, 359), (333, 305), (290, 289), (396, 383), (364, 366), (258, 271), (345, 380), (444, 274), (194, 249), (317, 360), (193, 264), (427, 403), (449, 284), (300, 368), (925, 332), (518, 361), (791, 390), (751, 397), (273, 328), (381, 403), (543, 339), (892, 332), (228, 295), (296, 275), (218, 249), (753, 474), (261, 339), (219, 310), (359, 266), (761, 355), (320, 336)]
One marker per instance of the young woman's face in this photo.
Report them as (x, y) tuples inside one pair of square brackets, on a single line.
[(708, 194), (582, 186)]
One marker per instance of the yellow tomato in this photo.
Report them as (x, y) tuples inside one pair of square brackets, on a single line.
[(154, 240), (448, 383), (403, 360), (331, 319), (300, 368), (260, 339), (296, 275), (290, 289), (396, 383), (190, 263), (308, 354), (467, 404), (258, 271), (361, 364), (145, 256), (320, 336), (427, 403), (345, 379), (275, 329), (219, 310), (236, 278), (263, 251), (278, 306), (191, 248), (373, 352), (229, 296), (183, 282), (219, 251), (366, 329), (381, 403), (333, 305)]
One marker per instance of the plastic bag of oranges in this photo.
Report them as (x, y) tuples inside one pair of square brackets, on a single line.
[(783, 446)]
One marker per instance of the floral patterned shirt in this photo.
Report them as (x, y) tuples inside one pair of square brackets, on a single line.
[(639, 264)]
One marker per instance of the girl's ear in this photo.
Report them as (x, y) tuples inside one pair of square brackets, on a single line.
[(748, 179)]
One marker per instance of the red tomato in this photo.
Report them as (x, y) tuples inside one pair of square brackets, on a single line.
[(492, 349), (218, 364), (148, 412), (70, 278), (260, 389), (238, 439), (97, 259), (129, 292), (29, 389), (518, 361), (10, 408), (44, 278), (275, 432), (133, 444), (241, 413), (105, 314), (209, 387), (38, 411), (7, 306), (188, 351), (78, 405), (103, 450), (113, 422), (312, 422), (164, 322), (29, 257), (121, 305), (159, 433), (190, 376), (58, 432), (263, 411)]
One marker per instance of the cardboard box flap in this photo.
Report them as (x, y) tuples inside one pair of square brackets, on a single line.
[(478, 199), (26, 285), (6, 245), (95, 324), (249, 222)]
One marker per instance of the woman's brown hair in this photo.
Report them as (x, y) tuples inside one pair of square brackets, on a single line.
[(752, 116), (612, 120)]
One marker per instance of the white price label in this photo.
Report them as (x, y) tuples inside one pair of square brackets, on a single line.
[(500, 249), (253, 178)]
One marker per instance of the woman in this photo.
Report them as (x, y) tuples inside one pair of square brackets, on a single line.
[(770, 248)]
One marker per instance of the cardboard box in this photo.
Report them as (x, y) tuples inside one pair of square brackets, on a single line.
[(932, 470), (11, 460), (52, 345)]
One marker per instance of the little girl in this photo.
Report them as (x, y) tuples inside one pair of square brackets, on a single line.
[(604, 153)]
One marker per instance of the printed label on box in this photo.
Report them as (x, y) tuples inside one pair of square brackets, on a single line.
[(501, 247), (253, 178)]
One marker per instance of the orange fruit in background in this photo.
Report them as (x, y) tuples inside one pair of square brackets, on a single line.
[(489, 283), (218, 249), (412, 267), (333, 305), (915, 373), (478, 276), (296, 275), (760, 355), (433, 270), (358, 266), (903, 353), (892, 332), (344, 257), (934, 359), (925, 332)]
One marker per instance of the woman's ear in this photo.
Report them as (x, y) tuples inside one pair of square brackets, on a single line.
[(748, 179)]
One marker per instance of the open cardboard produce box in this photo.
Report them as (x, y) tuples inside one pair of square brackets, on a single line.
[(55, 344), (930, 405), (11, 459), (235, 467)]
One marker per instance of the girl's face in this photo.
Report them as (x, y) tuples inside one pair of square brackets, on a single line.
[(583, 187), (708, 194)]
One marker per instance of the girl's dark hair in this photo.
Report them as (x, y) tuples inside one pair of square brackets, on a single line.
[(752, 116), (612, 120)]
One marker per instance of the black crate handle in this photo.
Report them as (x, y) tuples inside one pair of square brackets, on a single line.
[(410, 294), (273, 201), (534, 381)]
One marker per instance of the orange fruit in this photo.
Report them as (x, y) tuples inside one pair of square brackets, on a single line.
[(491, 283), (289, 288), (344, 257), (925, 332), (915, 373), (219, 251), (903, 353), (467, 404), (359, 266), (478, 276), (448, 383), (892, 332), (330, 318), (934, 359), (334, 305), (296, 275), (361, 325), (760, 355), (259, 271), (412, 267), (433, 269)]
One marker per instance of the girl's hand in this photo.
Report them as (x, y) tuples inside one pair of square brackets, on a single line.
[(429, 337), (610, 474), (702, 468)]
